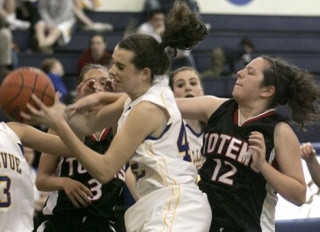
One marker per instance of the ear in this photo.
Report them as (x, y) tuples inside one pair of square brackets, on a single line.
[(146, 73), (268, 91)]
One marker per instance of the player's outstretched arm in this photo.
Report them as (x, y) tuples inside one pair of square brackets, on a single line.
[(47, 181), (308, 153), (39, 140)]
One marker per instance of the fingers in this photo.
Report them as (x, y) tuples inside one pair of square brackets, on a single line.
[(307, 150), (78, 193), (256, 140), (109, 86), (86, 88), (80, 197)]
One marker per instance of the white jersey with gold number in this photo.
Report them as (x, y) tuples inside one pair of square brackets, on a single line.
[(16, 189), (166, 183), (195, 145)]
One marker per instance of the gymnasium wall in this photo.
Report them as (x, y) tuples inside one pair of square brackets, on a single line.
[(241, 7)]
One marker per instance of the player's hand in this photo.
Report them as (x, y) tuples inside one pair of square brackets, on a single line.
[(77, 192), (257, 148), (88, 103), (85, 88), (307, 151), (44, 115), (109, 86)]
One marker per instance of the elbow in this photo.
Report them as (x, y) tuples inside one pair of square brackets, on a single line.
[(301, 201), (103, 178), (301, 197), (39, 185)]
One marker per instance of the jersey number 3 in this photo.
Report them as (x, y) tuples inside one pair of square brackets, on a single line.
[(5, 198)]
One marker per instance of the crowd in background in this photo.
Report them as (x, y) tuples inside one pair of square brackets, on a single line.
[(52, 23)]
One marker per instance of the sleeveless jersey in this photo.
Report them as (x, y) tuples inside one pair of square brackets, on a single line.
[(195, 144), (240, 197), (16, 189), (105, 196), (166, 183), (159, 162)]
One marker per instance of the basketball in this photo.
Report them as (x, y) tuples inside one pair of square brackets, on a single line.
[(17, 87)]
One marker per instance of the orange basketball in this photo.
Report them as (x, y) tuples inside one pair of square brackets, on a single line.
[(17, 87)]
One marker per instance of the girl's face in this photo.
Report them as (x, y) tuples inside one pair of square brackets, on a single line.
[(99, 76), (187, 84), (126, 77), (249, 79)]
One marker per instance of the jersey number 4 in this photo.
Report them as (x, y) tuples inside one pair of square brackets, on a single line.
[(183, 144)]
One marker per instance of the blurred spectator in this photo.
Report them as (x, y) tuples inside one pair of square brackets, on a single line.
[(5, 49), (54, 69), (8, 11), (28, 10), (39, 197), (96, 53), (166, 5), (154, 26), (226, 61), (217, 64), (241, 55), (87, 24), (156, 11), (55, 25)]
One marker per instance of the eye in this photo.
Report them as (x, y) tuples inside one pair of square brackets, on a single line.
[(194, 83), (102, 82)]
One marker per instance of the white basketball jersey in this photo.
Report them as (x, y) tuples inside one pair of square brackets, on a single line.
[(16, 189), (195, 145), (159, 162)]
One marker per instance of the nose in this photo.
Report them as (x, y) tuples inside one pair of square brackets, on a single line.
[(111, 71), (188, 88), (239, 73)]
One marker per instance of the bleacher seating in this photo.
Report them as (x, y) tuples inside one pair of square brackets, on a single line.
[(298, 225), (292, 38)]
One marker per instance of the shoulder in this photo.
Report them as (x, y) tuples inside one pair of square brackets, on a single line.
[(284, 133)]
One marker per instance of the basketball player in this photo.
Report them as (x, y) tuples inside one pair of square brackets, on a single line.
[(309, 156), (16, 187), (251, 151), (185, 82), (67, 208), (151, 133)]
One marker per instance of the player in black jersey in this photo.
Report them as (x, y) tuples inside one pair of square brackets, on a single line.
[(68, 207), (252, 153)]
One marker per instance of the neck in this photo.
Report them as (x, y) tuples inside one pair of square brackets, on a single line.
[(138, 92), (195, 125)]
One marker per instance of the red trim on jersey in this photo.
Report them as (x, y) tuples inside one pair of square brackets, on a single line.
[(262, 115), (103, 135)]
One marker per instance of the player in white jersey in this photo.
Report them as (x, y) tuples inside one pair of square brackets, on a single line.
[(185, 83), (16, 187), (151, 132)]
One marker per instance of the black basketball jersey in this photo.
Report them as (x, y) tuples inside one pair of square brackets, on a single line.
[(240, 198), (105, 196)]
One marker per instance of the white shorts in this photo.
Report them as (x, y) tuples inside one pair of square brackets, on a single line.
[(174, 208), (66, 31)]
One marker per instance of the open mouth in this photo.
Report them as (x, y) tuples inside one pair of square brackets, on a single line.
[(189, 95)]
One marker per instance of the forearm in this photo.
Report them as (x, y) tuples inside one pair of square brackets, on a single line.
[(49, 183), (289, 188), (314, 169), (92, 161), (81, 16)]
